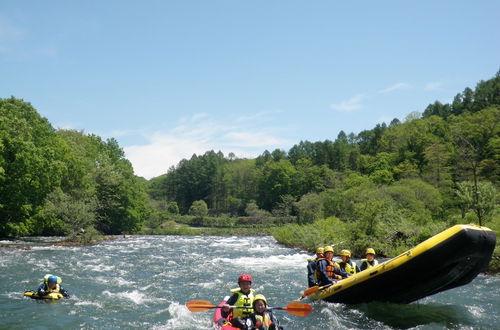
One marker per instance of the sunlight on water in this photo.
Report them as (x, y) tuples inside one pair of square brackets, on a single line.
[(144, 282)]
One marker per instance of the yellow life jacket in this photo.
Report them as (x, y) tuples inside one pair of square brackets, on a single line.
[(243, 301), (263, 321), (349, 267), (330, 269), (368, 265), (46, 282)]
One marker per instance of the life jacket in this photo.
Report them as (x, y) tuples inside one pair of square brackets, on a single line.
[(46, 282), (349, 267), (368, 264), (330, 269), (315, 273), (243, 301), (262, 321)]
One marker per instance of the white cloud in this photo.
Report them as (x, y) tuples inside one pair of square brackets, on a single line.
[(395, 87), (352, 104), (433, 86), (196, 135)]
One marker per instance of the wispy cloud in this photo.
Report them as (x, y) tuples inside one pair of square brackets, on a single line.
[(262, 115), (8, 30), (395, 87), (352, 104), (433, 86), (196, 135)]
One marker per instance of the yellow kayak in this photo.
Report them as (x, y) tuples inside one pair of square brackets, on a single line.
[(52, 295), (447, 260)]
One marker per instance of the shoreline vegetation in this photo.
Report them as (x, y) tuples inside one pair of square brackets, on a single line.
[(390, 187)]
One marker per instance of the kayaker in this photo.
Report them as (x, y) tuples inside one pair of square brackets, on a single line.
[(328, 271), (370, 261), (347, 264), (262, 318), (51, 283), (241, 297), (311, 268)]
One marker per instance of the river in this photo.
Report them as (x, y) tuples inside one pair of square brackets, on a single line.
[(144, 282)]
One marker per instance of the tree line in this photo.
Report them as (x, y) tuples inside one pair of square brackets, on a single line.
[(63, 182), (447, 157), (430, 169)]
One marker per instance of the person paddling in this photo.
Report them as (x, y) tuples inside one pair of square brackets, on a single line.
[(242, 297), (328, 271), (347, 264), (51, 283), (370, 261), (311, 268)]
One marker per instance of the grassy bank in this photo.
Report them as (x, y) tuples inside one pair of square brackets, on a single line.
[(389, 241), (175, 228)]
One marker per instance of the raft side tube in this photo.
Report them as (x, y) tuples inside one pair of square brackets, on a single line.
[(449, 259)]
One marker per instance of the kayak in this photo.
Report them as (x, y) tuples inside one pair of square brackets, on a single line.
[(447, 260), (218, 315), (50, 296)]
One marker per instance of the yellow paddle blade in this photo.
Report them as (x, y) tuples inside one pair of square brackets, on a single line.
[(298, 309), (199, 305)]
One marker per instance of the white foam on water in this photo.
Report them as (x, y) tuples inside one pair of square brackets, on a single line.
[(261, 248), (182, 318), (98, 268), (88, 303), (476, 311), (211, 284), (267, 262), (135, 296), (120, 281)]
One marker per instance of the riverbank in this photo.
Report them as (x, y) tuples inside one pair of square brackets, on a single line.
[(388, 243), (175, 228)]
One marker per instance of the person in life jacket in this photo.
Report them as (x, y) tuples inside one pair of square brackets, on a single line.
[(311, 268), (262, 318), (51, 283), (328, 271), (241, 297), (347, 264), (370, 261)]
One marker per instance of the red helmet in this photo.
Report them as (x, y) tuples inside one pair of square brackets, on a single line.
[(245, 278)]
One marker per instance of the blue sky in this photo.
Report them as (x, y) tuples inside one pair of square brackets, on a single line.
[(171, 78)]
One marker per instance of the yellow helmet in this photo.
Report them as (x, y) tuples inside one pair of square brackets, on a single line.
[(319, 250), (370, 250), (346, 253), (259, 297), (328, 248)]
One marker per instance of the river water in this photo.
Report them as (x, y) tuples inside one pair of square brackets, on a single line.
[(144, 282)]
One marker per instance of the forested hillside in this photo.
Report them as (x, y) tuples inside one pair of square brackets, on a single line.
[(394, 185), (62, 182)]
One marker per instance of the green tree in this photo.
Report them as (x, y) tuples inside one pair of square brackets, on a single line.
[(31, 165), (199, 208), (479, 197)]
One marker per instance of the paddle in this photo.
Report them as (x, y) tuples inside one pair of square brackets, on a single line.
[(313, 290), (294, 308)]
